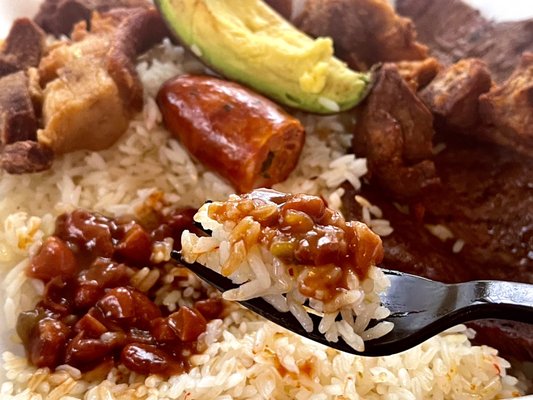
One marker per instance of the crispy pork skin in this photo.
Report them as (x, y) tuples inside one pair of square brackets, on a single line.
[(365, 32)]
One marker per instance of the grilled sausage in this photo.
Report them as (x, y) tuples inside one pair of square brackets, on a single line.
[(244, 137)]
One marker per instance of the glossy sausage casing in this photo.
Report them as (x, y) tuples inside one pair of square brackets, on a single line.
[(242, 136)]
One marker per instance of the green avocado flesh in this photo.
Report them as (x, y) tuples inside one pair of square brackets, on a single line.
[(248, 42)]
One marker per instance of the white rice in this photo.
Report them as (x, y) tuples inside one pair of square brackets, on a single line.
[(260, 274), (247, 357)]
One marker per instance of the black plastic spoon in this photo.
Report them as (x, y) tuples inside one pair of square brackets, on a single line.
[(420, 308)]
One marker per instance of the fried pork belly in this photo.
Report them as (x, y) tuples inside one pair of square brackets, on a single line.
[(58, 17), (453, 30), (91, 86), (17, 116), (418, 74), (507, 110), (23, 47), (394, 131), (365, 32), (453, 96), (25, 157), (82, 109)]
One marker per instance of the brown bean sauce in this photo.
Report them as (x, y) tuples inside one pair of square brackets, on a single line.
[(304, 233), (92, 315)]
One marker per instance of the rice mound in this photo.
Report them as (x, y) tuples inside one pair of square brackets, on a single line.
[(260, 274), (247, 358)]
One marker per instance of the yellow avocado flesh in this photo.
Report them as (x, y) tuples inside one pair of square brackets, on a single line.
[(246, 41)]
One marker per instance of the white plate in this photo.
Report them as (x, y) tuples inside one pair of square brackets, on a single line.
[(496, 9)]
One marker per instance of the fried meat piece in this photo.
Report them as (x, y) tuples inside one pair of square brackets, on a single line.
[(418, 74), (394, 131), (365, 32), (82, 109), (23, 47), (507, 110), (25, 157), (453, 96), (17, 115), (89, 100), (453, 30), (58, 17)]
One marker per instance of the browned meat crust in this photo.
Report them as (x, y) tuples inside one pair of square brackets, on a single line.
[(507, 110), (453, 96), (394, 131), (58, 17), (26, 157), (365, 32), (453, 31), (418, 74), (17, 116), (23, 47)]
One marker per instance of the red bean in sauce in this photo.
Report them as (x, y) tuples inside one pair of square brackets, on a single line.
[(91, 315)]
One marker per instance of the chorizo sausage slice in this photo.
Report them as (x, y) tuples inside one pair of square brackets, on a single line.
[(244, 137)]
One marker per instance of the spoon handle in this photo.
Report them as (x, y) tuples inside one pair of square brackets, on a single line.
[(496, 299)]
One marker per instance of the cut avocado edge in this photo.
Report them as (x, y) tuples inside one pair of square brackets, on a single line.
[(344, 88)]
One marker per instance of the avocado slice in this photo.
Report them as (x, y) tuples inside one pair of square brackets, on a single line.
[(250, 43)]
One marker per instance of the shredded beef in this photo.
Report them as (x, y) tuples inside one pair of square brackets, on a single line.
[(23, 47), (26, 157), (394, 131), (17, 116), (453, 30)]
